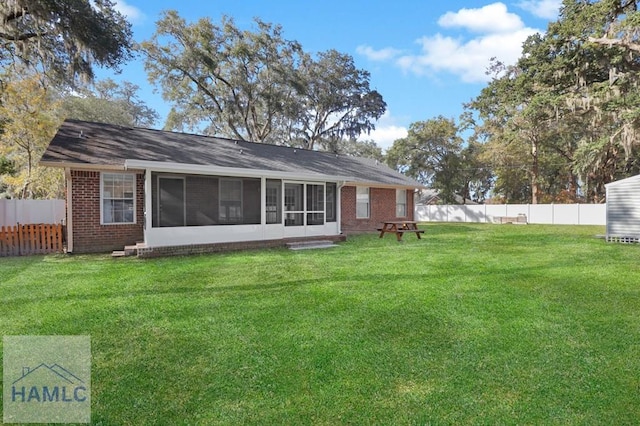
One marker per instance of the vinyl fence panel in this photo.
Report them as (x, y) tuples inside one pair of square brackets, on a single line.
[(13, 212), (552, 214)]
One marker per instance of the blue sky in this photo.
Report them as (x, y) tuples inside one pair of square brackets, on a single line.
[(425, 58)]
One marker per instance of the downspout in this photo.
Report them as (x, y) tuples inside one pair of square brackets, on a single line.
[(69, 209)]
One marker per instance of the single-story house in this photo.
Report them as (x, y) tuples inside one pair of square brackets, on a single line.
[(182, 193), (623, 210)]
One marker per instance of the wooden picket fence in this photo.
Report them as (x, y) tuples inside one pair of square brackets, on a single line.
[(23, 240)]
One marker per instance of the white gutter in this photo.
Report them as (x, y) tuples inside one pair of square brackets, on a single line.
[(81, 166), (160, 166)]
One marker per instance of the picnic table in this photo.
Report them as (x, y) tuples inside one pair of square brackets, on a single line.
[(400, 227)]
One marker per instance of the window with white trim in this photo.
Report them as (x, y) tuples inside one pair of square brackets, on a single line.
[(362, 202), (117, 198), (401, 203)]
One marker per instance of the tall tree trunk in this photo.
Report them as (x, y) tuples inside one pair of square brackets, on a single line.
[(535, 171)]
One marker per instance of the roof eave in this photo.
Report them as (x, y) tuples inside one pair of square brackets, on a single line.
[(81, 166), (384, 185), (160, 166)]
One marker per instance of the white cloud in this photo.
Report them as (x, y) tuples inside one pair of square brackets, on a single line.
[(386, 132), (497, 33), (377, 55), (546, 9), (491, 18), (134, 14), (467, 59)]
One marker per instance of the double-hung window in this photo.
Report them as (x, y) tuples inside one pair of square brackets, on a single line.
[(401, 203), (118, 198), (362, 202)]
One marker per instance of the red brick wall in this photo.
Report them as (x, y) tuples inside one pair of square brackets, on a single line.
[(382, 207), (88, 235)]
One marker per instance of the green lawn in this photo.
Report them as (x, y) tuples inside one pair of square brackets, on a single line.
[(490, 324)]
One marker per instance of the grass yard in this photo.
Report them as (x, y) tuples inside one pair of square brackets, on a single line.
[(472, 324)]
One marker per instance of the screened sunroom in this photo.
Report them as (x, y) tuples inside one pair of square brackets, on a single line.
[(198, 208)]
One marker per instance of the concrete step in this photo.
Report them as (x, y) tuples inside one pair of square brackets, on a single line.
[(131, 250), (128, 250)]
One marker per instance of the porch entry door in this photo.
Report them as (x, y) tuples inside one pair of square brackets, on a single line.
[(304, 209), (171, 201)]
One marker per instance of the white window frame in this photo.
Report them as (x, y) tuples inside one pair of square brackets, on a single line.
[(359, 191), (102, 198), (401, 201)]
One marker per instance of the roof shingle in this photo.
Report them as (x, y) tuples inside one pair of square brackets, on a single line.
[(99, 144)]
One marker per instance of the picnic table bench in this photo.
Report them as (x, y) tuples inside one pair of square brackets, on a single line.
[(400, 228)]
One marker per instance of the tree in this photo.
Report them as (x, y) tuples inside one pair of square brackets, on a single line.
[(236, 82), (257, 86), (431, 154), (515, 126), (6, 168), (605, 89), (111, 103), (475, 177), (568, 112), (63, 39), (336, 101), (356, 148), (32, 122)]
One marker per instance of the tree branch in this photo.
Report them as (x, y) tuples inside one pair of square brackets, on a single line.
[(615, 42), (16, 14), (21, 37)]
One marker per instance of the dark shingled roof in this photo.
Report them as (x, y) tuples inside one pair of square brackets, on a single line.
[(84, 143)]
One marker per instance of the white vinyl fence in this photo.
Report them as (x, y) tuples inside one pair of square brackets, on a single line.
[(555, 214), (13, 212)]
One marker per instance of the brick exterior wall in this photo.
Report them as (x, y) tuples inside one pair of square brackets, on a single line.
[(382, 207), (89, 236)]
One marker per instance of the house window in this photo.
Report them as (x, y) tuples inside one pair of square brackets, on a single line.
[(230, 201), (401, 203), (315, 204), (331, 202), (274, 201), (362, 202), (118, 198)]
